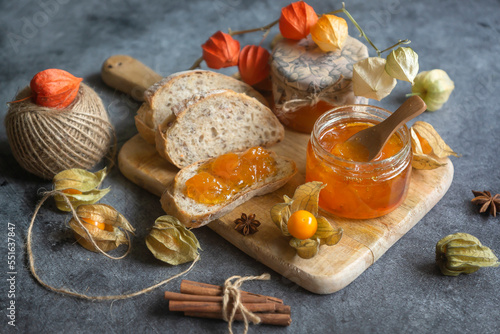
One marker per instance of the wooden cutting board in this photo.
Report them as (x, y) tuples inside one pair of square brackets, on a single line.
[(363, 242)]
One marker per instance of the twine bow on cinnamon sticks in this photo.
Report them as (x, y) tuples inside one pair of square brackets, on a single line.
[(229, 303)]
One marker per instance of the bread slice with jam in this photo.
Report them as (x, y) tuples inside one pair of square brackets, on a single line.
[(177, 202), (215, 123), (162, 100)]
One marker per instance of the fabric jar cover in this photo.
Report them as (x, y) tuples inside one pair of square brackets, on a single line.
[(302, 74)]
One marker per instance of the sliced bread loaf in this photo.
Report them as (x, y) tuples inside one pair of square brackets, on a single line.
[(175, 202), (215, 123), (162, 99)]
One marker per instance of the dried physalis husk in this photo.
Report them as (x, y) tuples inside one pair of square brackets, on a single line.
[(296, 20), (370, 79), (306, 198), (54, 88), (107, 227), (330, 32), (221, 50), (172, 242), (434, 87), (402, 64), (253, 64), (428, 147), (462, 253), (79, 186)]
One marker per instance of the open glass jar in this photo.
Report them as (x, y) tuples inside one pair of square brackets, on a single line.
[(359, 190)]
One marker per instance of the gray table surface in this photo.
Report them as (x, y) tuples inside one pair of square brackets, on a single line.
[(403, 292)]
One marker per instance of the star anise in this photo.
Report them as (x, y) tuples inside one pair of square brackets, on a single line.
[(486, 201), (247, 225)]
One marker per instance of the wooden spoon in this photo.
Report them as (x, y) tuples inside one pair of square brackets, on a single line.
[(374, 138)]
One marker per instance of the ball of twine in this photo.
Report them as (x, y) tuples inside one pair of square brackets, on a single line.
[(46, 141)]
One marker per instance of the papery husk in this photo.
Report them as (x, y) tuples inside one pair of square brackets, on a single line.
[(280, 213), (307, 248), (402, 64), (434, 87), (106, 240), (462, 253), (330, 32), (326, 233), (306, 198), (370, 79), (84, 181), (439, 149), (171, 242)]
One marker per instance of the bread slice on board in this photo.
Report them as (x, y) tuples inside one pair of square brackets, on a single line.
[(162, 99), (215, 123), (175, 202)]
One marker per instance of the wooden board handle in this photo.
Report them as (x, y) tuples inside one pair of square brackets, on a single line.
[(128, 75)]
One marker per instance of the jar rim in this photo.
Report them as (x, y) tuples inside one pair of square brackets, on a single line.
[(316, 132)]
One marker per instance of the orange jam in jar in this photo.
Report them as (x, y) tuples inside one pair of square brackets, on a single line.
[(356, 188), (219, 179)]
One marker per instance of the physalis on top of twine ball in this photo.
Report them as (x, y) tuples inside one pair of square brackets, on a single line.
[(298, 218), (57, 123)]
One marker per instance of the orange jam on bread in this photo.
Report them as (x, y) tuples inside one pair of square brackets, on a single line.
[(219, 179), (357, 188)]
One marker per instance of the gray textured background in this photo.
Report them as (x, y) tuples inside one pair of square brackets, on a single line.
[(403, 292)]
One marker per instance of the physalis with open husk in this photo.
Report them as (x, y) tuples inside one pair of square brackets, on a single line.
[(462, 253), (298, 218), (106, 226), (428, 147), (172, 242), (79, 186)]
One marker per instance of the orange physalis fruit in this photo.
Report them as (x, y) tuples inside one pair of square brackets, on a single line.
[(99, 225), (296, 20), (302, 224), (330, 32), (221, 50), (254, 64), (54, 88)]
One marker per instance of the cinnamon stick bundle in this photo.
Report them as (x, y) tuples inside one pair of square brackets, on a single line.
[(204, 300), (276, 319), (198, 288)]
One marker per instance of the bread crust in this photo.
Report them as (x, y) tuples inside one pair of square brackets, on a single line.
[(164, 147), (147, 113)]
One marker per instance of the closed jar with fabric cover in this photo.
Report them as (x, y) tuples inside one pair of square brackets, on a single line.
[(307, 81)]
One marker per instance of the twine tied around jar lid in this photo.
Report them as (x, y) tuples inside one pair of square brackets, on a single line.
[(45, 141), (334, 94)]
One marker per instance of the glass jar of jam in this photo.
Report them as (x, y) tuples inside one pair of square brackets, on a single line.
[(306, 81), (355, 188)]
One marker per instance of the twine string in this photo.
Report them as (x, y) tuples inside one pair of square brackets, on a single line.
[(232, 297), (46, 141), (32, 267)]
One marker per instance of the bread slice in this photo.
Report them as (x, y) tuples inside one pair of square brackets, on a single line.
[(215, 123), (193, 214), (162, 98)]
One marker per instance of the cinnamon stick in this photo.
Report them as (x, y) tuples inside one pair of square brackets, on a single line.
[(204, 298), (277, 319), (191, 306), (198, 288)]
